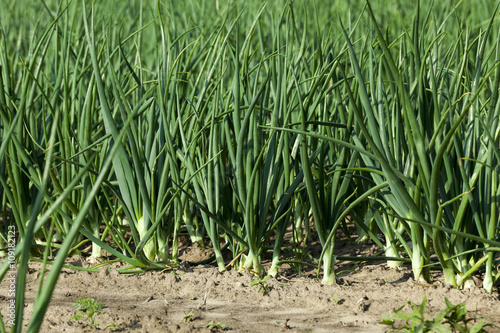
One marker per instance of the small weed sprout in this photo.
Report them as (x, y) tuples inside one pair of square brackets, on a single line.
[(89, 310), (217, 327), (263, 286), (452, 318), (189, 317), (114, 327)]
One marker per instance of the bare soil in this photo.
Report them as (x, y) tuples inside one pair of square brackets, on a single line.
[(160, 301)]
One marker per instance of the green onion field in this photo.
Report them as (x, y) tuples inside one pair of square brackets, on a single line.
[(311, 139)]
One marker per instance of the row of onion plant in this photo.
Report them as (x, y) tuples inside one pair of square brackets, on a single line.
[(231, 125)]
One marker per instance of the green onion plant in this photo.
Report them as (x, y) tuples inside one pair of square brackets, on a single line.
[(253, 129)]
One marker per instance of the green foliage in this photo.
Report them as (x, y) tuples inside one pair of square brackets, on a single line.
[(189, 317), (216, 327), (263, 286), (451, 319), (235, 123), (89, 310)]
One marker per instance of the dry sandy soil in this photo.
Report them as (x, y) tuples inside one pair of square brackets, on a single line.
[(159, 301)]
